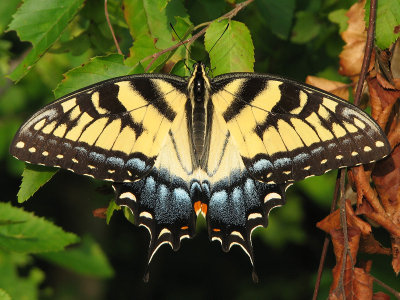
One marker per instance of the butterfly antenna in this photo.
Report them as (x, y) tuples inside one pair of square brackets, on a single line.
[(184, 44), (226, 28)]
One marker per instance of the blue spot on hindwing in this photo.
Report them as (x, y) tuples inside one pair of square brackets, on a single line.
[(115, 162), (97, 157), (262, 165), (282, 162), (300, 158), (136, 164)]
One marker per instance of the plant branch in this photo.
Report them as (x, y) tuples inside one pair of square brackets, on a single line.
[(110, 26), (384, 285), (367, 52), (228, 15), (343, 221), (326, 242)]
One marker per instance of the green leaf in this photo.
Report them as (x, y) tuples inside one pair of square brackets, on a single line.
[(278, 15), (7, 9), (24, 232), (14, 284), (33, 178), (148, 24), (306, 27), (339, 17), (233, 50), (97, 69), (112, 206), (180, 68), (87, 258), (4, 295), (387, 18), (41, 23)]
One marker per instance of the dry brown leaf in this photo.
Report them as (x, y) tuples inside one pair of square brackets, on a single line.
[(362, 284), (387, 180), (358, 284), (396, 254), (332, 222), (337, 88), (386, 177), (380, 296), (355, 38), (100, 212), (382, 99), (368, 244)]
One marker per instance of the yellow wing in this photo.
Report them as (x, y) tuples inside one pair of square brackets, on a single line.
[(112, 130), (286, 131)]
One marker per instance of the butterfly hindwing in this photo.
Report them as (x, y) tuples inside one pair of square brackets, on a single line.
[(287, 131), (163, 200), (112, 130), (237, 203)]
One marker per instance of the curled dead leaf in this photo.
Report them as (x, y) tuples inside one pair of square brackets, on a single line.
[(355, 38), (383, 96), (332, 221), (337, 88), (370, 245)]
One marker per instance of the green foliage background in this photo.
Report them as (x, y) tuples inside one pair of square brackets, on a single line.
[(63, 45)]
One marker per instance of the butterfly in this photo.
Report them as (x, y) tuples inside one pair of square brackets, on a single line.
[(225, 147)]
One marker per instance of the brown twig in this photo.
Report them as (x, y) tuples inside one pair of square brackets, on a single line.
[(384, 285), (367, 52), (343, 222), (326, 243), (363, 75), (110, 26), (228, 15)]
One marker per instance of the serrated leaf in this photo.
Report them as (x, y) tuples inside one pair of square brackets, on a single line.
[(33, 178), (41, 23), (339, 17), (7, 9), (278, 15), (86, 259), (23, 232), (387, 18), (97, 69), (305, 28), (149, 26), (233, 50)]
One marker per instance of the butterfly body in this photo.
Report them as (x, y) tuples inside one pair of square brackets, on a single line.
[(225, 147)]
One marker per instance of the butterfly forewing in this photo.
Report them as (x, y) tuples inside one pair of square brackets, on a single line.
[(286, 131), (112, 130)]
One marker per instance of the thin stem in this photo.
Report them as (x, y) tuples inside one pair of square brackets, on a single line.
[(343, 221), (110, 26), (384, 285), (367, 52), (228, 15), (326, 242)]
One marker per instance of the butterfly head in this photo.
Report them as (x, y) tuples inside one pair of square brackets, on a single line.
[(199, 84)]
